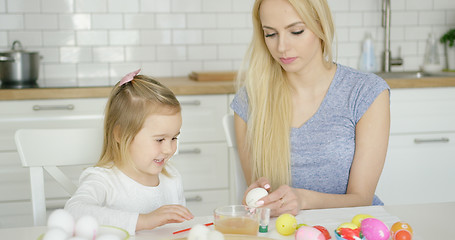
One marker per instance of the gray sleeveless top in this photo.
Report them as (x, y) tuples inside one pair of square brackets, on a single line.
[(322, 149)]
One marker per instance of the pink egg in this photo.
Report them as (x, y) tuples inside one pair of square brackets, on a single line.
[(308, 233), (374, 229)]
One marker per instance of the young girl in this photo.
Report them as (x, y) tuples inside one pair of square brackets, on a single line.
[(132, 186)]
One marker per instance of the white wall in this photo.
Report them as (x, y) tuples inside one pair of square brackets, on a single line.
[(95, 42)]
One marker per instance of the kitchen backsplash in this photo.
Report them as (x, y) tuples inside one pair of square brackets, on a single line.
[(95, 42)]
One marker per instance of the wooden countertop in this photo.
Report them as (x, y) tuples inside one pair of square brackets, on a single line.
[(186, 86), (179, 85)]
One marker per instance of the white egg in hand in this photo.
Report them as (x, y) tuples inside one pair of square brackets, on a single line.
[(254, 195), (86, 227), (60, 218)]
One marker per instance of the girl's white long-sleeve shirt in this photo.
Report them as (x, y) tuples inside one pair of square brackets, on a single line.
[(117, 200)]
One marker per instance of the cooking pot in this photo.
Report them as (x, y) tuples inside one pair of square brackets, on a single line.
[(19, 68)]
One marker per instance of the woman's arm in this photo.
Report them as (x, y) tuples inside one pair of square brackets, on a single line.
[(372, 135)]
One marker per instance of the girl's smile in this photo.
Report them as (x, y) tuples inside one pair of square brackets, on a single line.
[(159, 162)]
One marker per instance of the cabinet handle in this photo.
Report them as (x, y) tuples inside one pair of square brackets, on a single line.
[(53, 107), (431, 140), (191, 103), (190, 151), (196, 198)]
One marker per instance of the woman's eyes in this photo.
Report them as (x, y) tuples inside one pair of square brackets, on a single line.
[(274, 34)]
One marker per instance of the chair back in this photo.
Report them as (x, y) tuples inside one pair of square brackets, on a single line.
[(49, 149), (238, 182)]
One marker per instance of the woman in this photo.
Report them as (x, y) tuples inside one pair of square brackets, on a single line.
[(312, 132)]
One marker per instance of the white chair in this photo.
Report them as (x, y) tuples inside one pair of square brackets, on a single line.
[(50, 148), (239, 182)]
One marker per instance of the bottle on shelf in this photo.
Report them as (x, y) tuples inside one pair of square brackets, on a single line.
[(431, 60), (367, 61)]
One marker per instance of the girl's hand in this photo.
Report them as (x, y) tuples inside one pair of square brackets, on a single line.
[(282, 200), (163, 215)]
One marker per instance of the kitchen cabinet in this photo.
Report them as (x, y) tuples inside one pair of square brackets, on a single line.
[(15, 206), (421, 155), (202, 159)]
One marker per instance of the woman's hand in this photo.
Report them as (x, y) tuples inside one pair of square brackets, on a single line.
[(163, 215), (282, 200)]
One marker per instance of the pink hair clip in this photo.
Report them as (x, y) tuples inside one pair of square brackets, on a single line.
[(128, 77)]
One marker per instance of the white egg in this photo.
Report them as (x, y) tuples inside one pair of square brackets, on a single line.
[(198, 232), (254, 195), (215, 235), (86, 227), (108, 237), (55, 233), (62, 219)]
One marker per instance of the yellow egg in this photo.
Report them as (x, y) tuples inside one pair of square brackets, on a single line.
[(357, 219), (347, 225), (286, 224)]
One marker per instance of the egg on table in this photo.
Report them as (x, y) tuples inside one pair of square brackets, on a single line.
[(201, 232), (86, 227), (61, 218), (309, 233), (286, 224), (254, 195), (56, 234), (348, 231), (374, 229), (401, 231), (357, 219), (324, 231)]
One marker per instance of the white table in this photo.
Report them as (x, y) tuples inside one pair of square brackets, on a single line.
[(429, 221)]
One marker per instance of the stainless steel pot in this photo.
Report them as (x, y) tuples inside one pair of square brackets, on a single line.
[(18, 67)]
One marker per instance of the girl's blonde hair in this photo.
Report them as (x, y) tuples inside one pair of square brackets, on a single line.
[(126, 110), (269, 93)]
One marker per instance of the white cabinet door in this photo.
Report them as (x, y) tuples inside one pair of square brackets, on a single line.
[(15, 206), (422, 110), (421, 155), (203, 166), (202, 118), (56, 113), (419, 169), (203, 203)]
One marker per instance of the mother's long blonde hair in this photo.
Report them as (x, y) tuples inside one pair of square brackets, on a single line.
[(269, 93)]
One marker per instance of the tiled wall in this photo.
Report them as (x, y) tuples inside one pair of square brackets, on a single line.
[(95, 42)]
